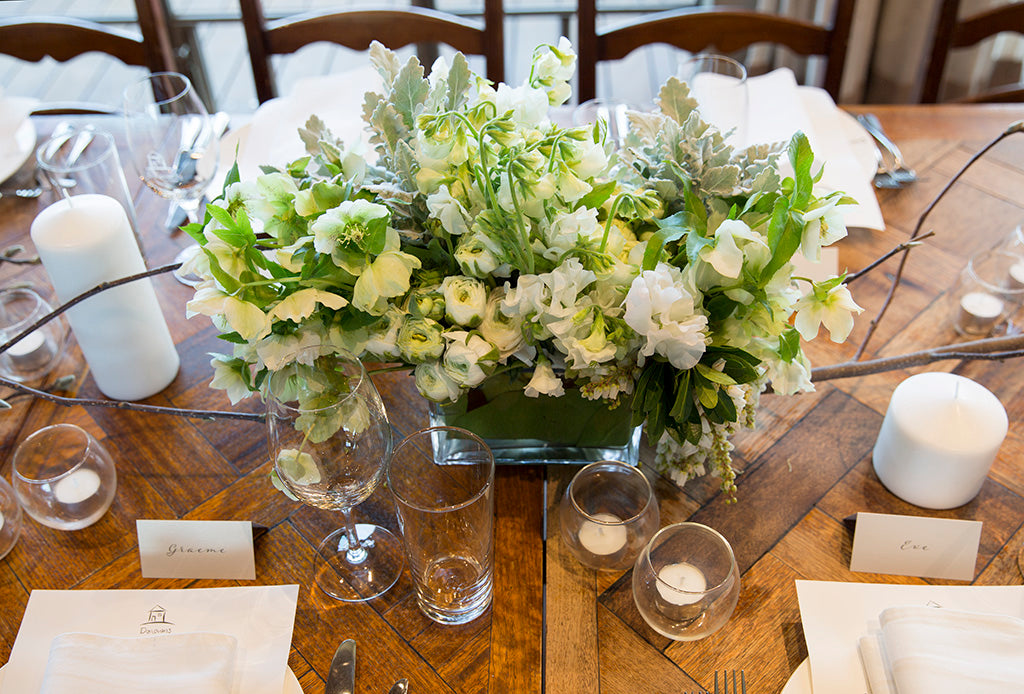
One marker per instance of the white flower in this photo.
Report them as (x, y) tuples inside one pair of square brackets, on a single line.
[(386, 277), (468, 358), (383, 337), (277, 351), (301, 304), (352, 232), (420, 340), (835, 309), (465, 299), (448, 211), (659, 308), (435, 384), (789, 377), (477, 254), (824, 225), (567, 228), (227, 376), (529, 106), (729, 251), (503, 331), (544, 382)]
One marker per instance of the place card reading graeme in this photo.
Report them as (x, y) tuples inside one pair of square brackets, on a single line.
[(196, 549), (915, 546)]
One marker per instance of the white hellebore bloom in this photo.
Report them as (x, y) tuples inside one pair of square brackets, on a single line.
[(824, 226), (835, 310), (660, 308), (544, 382), (300, 305), (465, 300), (386, 277), (227, 376), (726, 255)]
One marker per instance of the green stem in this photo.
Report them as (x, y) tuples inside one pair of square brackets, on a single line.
[(611, 218), (523, 249)]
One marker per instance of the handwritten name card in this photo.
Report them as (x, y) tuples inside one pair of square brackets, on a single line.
[(196, 549), (915, 546)]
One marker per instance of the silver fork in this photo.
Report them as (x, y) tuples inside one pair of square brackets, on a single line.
[(742, 689), (899, 171)]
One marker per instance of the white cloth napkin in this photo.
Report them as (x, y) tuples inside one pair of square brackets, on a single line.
[(14, 110), (96, 664), (926, 650)]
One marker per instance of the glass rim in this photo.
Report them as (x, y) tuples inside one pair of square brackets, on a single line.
[(986, 284), (719, 58), (149, 80), (353, 391), (477, 495), (38, 303), (646, 557), (631, 470), (91, 156), (88, 440)]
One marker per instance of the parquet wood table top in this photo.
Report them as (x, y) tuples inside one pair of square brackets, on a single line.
[(555, 626)]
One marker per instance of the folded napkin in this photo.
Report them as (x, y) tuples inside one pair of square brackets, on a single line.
[(926, 650), (95, 664), (14, 111)]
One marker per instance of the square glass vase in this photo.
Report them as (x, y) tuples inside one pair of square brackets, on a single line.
[(521, 430)]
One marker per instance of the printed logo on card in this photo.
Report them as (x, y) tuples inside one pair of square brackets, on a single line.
[(156, 623)]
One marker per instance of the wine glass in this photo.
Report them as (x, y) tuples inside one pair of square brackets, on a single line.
[(330, 441), (685, 582), (719, 84), (173, 143)]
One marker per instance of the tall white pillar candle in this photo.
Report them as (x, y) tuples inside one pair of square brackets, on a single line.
[(83, 241), (938, 439)]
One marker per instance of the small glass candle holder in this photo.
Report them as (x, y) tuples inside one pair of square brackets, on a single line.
[(988, 293), (608, 514), (10, 518), (613, 113), (63, 477), (685, 582), (36, 354)]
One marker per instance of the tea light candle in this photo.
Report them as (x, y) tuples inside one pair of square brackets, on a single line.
[(682, 577), (31, 352), (939, 437), (1, 520), (979, 313), (77, 487), (1015, 279), (83, 241), (603, 539)]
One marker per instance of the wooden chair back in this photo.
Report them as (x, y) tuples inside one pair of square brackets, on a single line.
[(721, 29), (356, 29), (952, 33)]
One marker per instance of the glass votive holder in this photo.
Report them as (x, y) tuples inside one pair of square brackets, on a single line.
[(10, 518), (987, 294), (36, 354), (63, 477), (685, 582), (608, 514), (613, 113)]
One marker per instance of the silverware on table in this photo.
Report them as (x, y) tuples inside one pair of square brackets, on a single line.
[(899, 172), (726, 674), (176, 216), (21, 192), (400, 687), (342, 677)]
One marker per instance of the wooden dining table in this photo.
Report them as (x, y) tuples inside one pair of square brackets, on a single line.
[(554, 625)]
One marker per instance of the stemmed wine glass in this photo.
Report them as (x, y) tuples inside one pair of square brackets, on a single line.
[(330, 441), (173, 143), (719, 84)]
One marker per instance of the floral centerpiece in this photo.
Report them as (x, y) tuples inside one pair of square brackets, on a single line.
[(484, 242)]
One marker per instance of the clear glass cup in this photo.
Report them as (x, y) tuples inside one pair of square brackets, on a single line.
[(10, 518), (988, 294), (685, 582), (609, 111), (608, 515), (719, 84), (36, 354), (63, 477), (444, 497), (330, 440)]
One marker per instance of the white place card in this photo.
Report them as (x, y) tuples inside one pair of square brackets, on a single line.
[(915, 546), (196, 549)]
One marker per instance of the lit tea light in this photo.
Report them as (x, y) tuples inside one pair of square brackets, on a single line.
[(30, 353), (687, 580), (77, 487), (979, 313), (601, 538)]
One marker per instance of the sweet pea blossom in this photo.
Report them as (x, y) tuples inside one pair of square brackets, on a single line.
[(448, 211), (544, 382), (659, 308), (834, 308)]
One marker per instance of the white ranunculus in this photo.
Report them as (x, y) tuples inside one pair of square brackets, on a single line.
[(420, 340), (503, 331), (433, 383), (468, 358), (465, 299), (383, 335), (661, 309), (477, 255), (544, 382)]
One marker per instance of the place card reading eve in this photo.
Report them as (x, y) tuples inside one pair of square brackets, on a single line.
[(196, 549), (915, 546)]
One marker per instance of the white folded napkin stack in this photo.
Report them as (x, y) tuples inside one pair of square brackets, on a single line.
[(95, 664), (927, 650)]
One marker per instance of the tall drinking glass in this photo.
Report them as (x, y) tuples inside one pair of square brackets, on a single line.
[(173, 141), (330, 440), (442, 479), (719, 84)]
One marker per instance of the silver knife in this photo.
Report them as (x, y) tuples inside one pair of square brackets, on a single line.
[(400, 687), (342, 677)]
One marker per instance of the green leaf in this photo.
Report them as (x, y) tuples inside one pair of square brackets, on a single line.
[(459, 77), (708, 396), (229, 283), (675, 101), (670, 229), (714, 375), (789, 345), (683, 405), (409, 91), (719, 306), (598, 195), (802, 158)]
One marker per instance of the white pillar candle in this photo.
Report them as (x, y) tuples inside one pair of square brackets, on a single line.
[(86, 240), (681, 577), (979, 313), (602, 539), (939, 437), (77, 487)]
